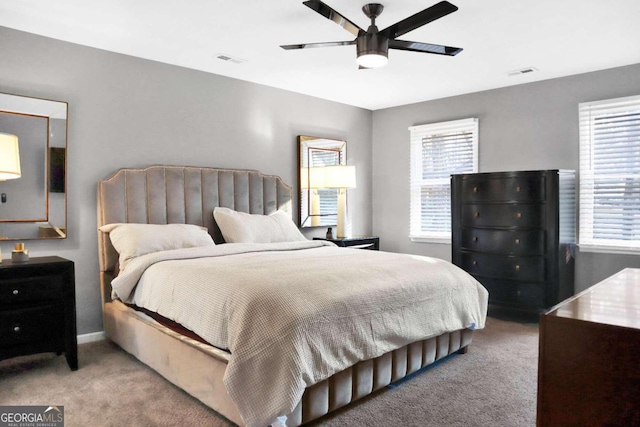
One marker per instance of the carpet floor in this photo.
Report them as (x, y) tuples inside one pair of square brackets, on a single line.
[(494, 384)]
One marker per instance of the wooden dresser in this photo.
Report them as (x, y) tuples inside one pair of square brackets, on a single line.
[(589, 365), (515, 233)]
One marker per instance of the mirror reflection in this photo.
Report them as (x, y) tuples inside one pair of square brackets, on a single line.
[(318, 205), (33, 141)]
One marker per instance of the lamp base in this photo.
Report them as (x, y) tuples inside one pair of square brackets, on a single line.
[(342, 214)]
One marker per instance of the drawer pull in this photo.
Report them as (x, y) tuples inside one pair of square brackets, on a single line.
[(475, 189), (16, 329), (15, 292), (476, 214), (517, 267), (519, 292), (518, 188), (517, 241), (474, 262), (519, 214), (475, 238)]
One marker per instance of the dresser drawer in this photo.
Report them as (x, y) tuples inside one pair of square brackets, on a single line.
[(513, 242), (529, 269), (517, 188), (517, 293), (31, 325), (32, 289), (502, 215)]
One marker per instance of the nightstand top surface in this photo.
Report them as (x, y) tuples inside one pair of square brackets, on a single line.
[(7, 262)]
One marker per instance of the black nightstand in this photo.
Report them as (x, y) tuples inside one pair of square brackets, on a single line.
[(38, 308), (357, 242)]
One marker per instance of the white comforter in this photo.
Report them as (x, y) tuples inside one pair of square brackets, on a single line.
[(293, 314)]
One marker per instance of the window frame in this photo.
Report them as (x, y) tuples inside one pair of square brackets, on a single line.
[(416, 182), (588, 113)]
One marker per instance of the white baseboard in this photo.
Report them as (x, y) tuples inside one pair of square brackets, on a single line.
[(94, 336)]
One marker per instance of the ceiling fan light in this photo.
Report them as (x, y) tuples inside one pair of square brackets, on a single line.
[(372, 49), (372, 60)]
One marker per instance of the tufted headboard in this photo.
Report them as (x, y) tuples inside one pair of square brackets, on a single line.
[(184, 195)]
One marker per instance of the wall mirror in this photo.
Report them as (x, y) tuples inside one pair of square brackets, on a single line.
[(33, 143), (318, 205)]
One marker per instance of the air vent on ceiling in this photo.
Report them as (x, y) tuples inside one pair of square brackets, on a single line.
[(229, 58), (521, 71)]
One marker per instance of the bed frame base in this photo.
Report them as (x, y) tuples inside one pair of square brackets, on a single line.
[(199, 368)]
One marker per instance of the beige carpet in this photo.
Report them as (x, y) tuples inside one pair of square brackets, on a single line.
[(492, 385)]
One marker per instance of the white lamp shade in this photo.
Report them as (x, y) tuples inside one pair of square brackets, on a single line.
[(339, 177), (372, 60), (9, 157), (312, 177)]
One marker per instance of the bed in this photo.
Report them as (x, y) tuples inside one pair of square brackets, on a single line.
[(237, 377)]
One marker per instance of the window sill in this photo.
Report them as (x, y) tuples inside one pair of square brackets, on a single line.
[(437, 240), (609, 249)]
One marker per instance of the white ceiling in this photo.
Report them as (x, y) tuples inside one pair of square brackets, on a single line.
[(558, 37)]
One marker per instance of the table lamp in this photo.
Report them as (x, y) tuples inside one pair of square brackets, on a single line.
[(340, 177)]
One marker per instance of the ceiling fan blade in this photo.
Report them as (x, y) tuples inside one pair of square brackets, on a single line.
[(424, 47), (430, 14), (331, 14), (322, 44)]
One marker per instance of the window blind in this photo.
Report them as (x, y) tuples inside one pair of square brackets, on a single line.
[(437, 151), (327, 197), (610, 174)]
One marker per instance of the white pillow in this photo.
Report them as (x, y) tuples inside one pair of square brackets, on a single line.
[(240, 227), (132, 240)]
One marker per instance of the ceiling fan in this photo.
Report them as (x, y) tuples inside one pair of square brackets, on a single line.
[(373, 45)]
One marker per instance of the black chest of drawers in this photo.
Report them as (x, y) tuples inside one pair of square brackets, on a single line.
[(515, 233), (37, 308)]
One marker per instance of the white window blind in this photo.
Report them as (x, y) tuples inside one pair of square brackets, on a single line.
[(328, 197), (610, 174), (437, 151)]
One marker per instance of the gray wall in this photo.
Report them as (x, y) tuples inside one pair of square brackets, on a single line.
[(525, 127), (131, 112)]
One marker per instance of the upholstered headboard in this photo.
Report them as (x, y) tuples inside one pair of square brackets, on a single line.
[(184, 195)]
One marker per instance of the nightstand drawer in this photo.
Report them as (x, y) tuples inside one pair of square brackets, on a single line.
[(513, 242), (502, 215), (526, 269), (30, 325), (518, 188), (359, 242), (32, 289)]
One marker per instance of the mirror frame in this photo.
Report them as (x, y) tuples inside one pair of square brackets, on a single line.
[(54, 225), (306, 144)]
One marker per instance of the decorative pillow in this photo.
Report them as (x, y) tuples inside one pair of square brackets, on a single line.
[(240, 227), (132, 240)]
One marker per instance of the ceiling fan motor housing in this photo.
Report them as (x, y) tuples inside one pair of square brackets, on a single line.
[(372, 43)]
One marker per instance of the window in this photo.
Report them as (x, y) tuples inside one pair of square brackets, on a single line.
[(327, 197), (610, 175), (437, 151)]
